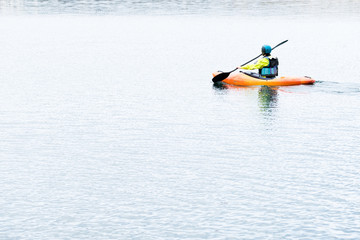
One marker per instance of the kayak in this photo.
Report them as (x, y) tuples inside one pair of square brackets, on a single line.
[(250, 79)]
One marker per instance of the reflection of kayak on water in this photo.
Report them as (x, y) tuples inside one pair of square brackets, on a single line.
[(250, 79)]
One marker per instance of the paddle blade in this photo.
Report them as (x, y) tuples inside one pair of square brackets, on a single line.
[(221, 76)]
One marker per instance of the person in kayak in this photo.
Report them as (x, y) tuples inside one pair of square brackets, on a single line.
[(267, 65)]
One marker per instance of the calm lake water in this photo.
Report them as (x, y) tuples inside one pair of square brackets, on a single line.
[(111, 128)]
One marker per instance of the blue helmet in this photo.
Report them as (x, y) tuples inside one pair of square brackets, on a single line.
[(266, 49)]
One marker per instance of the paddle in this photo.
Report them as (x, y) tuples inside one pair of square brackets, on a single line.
[(224, 75)]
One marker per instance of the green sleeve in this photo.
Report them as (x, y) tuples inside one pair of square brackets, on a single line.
[(258, 65)]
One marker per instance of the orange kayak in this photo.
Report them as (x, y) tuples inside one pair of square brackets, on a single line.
[(248, 79)]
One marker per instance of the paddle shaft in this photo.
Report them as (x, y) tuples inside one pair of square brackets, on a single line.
[(261, 54), (224, 75)]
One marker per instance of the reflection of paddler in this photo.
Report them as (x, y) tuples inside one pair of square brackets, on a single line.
[(268, 96)]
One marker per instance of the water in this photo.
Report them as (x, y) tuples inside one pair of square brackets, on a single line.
[(110, 126), (288, 8)]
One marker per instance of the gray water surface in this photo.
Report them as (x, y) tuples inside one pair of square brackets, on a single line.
[(260, 8), (111, 128)]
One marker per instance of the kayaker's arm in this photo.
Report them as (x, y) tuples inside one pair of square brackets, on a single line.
[(258, 65)]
